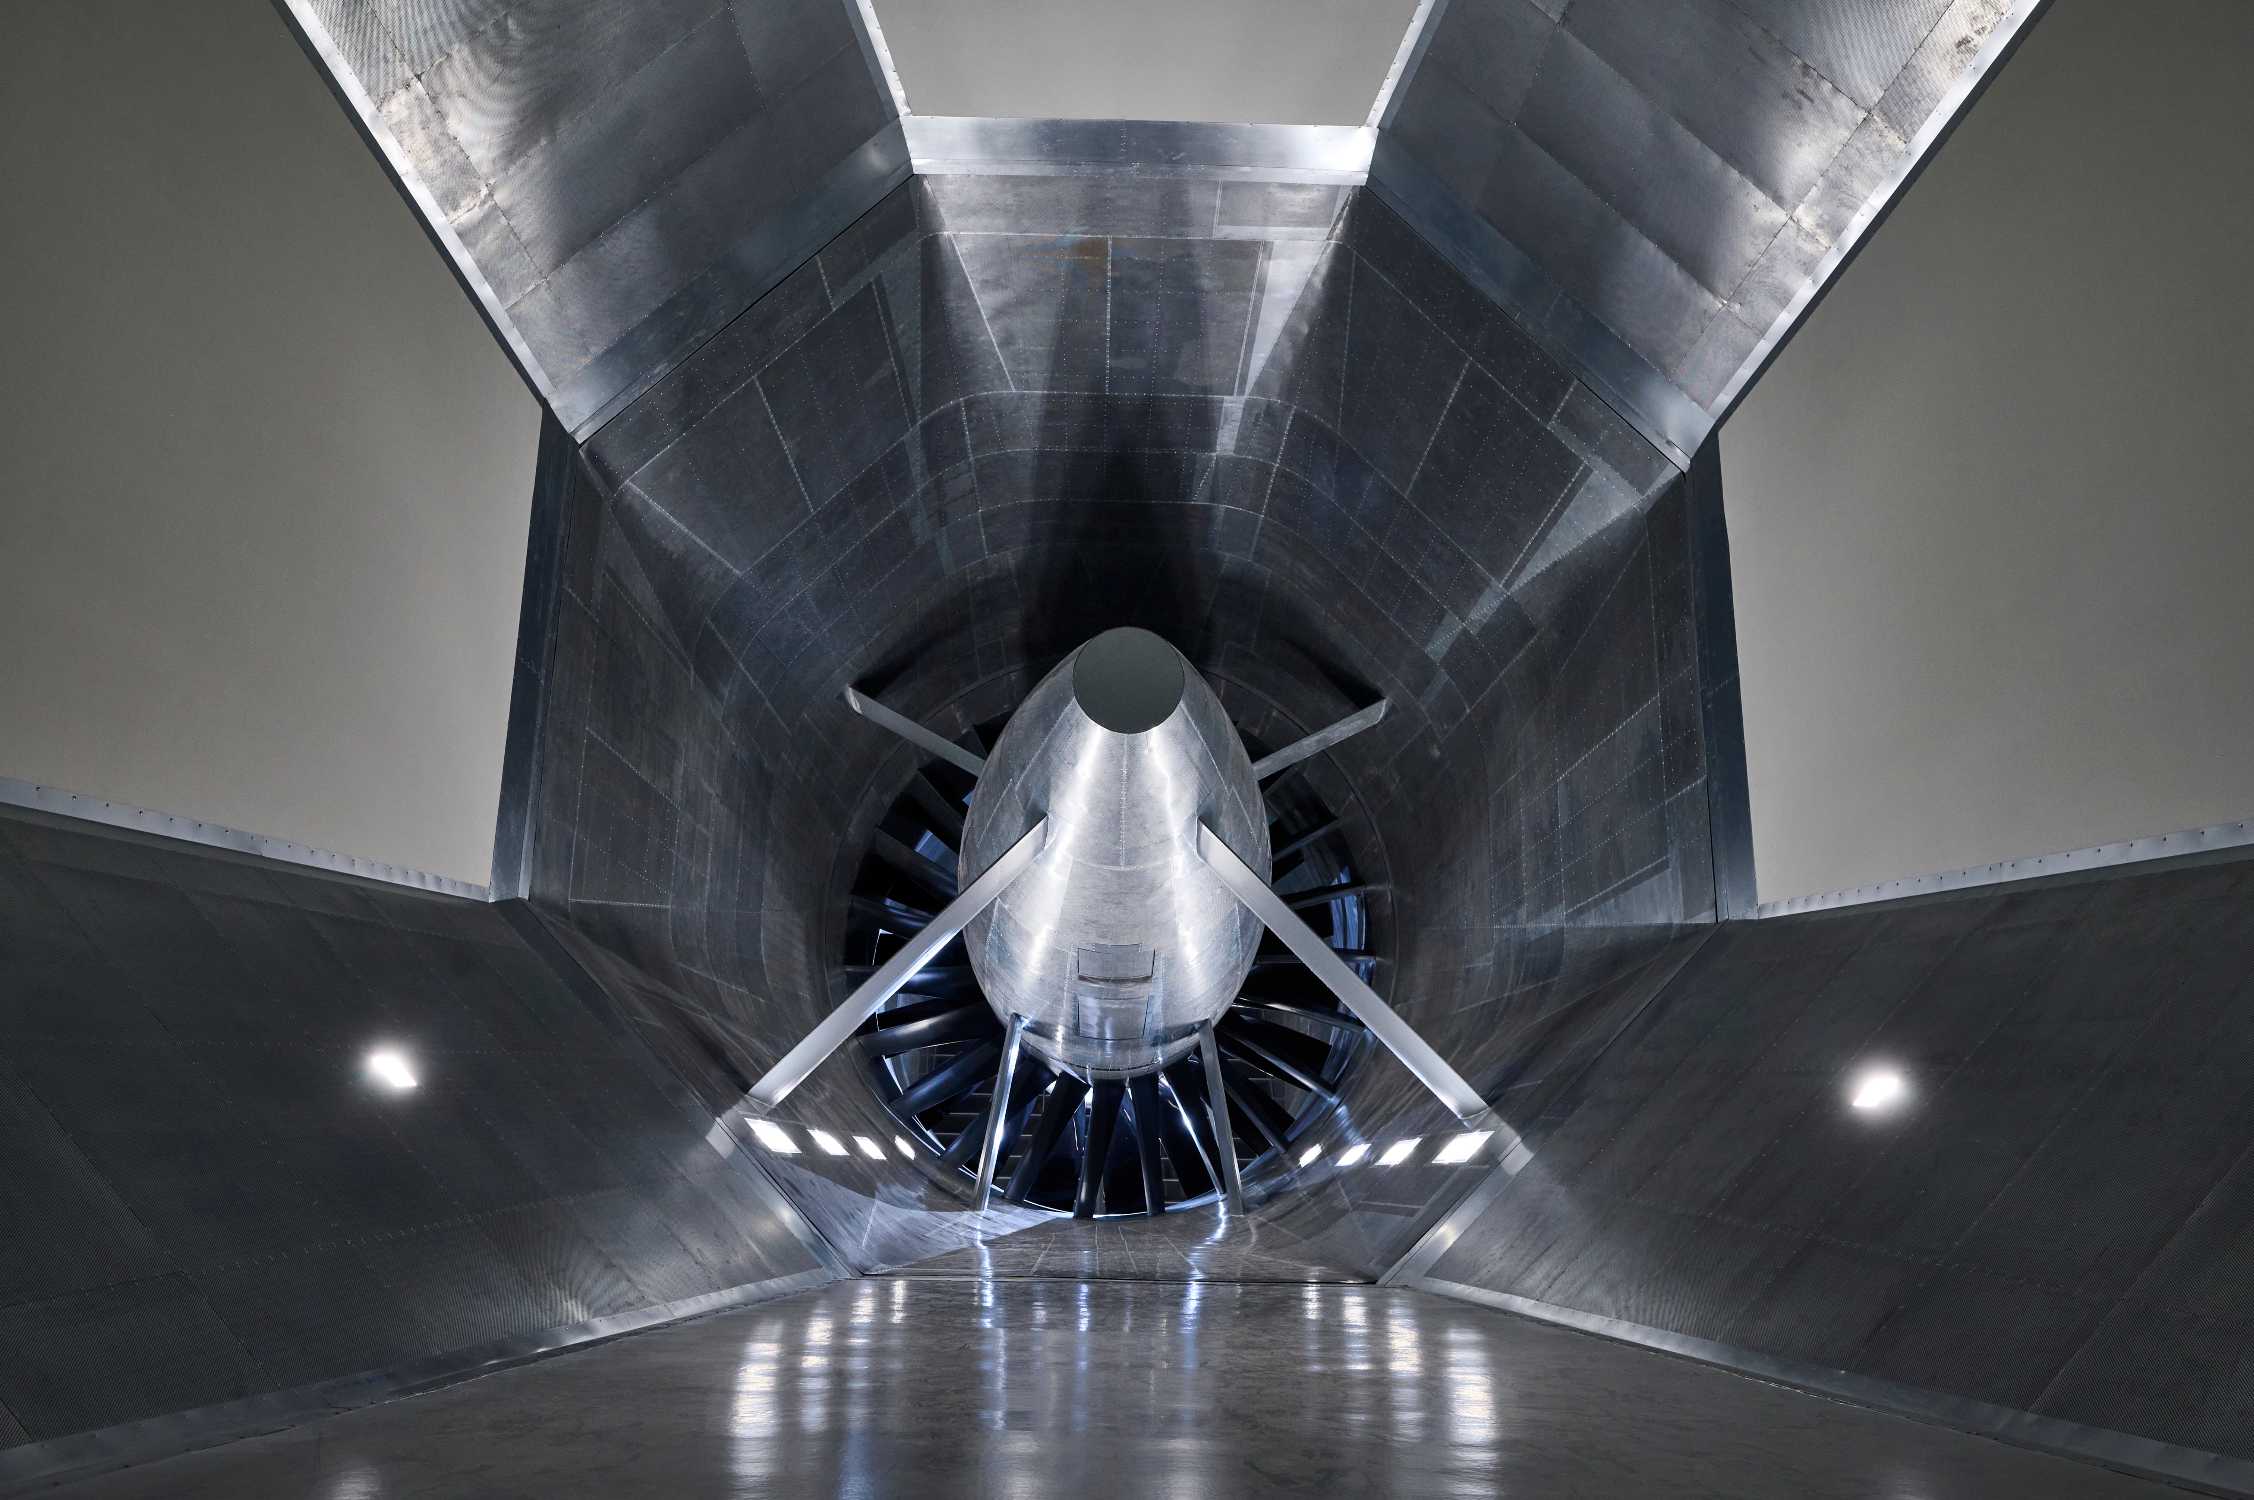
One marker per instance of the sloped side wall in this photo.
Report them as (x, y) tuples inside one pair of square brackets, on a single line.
[(2056, 1221), (207, 1200)]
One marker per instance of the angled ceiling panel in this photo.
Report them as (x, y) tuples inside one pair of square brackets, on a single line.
[(1659, 187), (616, 182)]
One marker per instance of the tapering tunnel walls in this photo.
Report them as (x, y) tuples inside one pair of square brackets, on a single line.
[(208, 1197), (616, 182), (2053, 1217), (1677, 171), (1000, 415)]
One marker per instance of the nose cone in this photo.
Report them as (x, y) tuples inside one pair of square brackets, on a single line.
[(1118, 942)]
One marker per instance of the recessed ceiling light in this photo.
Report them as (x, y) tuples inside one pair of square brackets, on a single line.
[(1878, 1089), (774, 1137), (1307, 1157), (824, 1142), (1400, 1151), (1352, 1155), (1463, 1148), (869, 1148), (900, 1144), (389, 1067)]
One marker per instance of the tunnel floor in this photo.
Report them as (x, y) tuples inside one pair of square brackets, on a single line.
[(923, 1386), (1189, 1245)]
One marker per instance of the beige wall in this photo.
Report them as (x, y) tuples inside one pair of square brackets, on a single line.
[(1989, 513), (266, 479)]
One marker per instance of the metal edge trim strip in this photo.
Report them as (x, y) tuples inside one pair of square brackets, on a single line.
[(978, 146), (516, 814), (314, 37), (1424, 23), (1646, 400), (1721, 699), (2214, 838), (129, 1443), (1956, 102), (2145, 1457), (869, 31), (87, 808), (754, 266)]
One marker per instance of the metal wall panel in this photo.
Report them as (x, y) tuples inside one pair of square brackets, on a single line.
[(1682, 170), (615, 182), (209, 1202)]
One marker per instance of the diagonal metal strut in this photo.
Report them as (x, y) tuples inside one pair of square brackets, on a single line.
[(1316, 743), (914, 733), (889, 980), (1399, 1037)]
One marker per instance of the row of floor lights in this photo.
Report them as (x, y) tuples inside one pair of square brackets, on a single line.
[(1456, 1149), (779, 1141)]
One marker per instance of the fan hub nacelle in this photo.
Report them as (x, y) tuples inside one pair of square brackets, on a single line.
[(1118, 944)]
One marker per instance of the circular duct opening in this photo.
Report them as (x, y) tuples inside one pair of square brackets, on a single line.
[(1128, 680)]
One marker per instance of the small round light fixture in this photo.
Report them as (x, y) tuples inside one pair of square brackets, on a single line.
[(389, 1067), (1877, 1090)]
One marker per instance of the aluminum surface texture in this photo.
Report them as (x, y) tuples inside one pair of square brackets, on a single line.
[(1118, 943)]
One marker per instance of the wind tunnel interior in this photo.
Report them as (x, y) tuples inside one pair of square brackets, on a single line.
[(1266, 422)]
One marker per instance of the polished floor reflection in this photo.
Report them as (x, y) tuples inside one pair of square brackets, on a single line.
[(918, 1386), (1187, 1245)]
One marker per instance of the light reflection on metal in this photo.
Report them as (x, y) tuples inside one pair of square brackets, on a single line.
[(1400, 1151), (1119, 942), (1316, 743), (889, 980), (1354, 1155), (1463, 1148), (914, 733), (824, 1142), (868, 1148), (1878, 1090), (389, 1067), (773, 1137), (1401, 1039)]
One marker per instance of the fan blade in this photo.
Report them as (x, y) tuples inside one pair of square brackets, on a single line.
[(946, 817), (958, 1023), (1062, 1104), (1185, 1148), (1142, 1098), (1103, 1118), (1266, 1115), (951, 1082), (919, 870)]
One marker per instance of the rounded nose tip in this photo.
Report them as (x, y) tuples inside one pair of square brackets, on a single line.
[(1128, 680)]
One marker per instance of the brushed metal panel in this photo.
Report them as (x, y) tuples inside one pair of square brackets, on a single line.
[(1709, 219), (1739, 89)]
